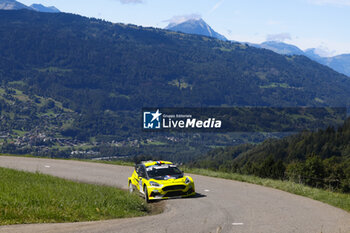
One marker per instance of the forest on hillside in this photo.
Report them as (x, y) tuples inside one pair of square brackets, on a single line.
[(319, 159)]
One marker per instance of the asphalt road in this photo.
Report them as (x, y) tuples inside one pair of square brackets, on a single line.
[(221, 206)]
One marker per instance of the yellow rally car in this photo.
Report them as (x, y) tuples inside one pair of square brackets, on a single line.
[(160, 180)]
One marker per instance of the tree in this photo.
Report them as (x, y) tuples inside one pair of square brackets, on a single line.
[(314, 172)]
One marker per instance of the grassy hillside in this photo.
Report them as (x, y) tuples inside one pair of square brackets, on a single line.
[(36, 198)]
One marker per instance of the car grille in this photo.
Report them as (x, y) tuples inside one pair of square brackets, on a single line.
[(174, 194), (174, 187), (178, 193)]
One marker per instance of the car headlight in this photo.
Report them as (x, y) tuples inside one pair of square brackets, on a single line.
[(154, 184), (187, 181)]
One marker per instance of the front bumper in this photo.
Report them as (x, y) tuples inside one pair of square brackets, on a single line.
[(171, 191)]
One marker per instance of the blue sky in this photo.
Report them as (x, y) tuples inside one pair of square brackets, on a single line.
[(322, 24)]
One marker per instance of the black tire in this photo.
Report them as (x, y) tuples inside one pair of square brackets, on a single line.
[(146, 194), (131, 187)]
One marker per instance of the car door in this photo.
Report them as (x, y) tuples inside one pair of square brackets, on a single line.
[(135, 176), (140, 174)]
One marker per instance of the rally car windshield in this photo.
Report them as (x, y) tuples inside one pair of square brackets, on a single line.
[(161, 172)]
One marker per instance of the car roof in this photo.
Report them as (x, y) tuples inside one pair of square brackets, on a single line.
[(151, 163)]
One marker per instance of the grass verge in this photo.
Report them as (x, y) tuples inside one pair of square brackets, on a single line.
[(340, 200), (36, 198)]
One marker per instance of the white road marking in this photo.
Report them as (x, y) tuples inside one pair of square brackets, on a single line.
[(237, 224), (206, 190), (47, 166)]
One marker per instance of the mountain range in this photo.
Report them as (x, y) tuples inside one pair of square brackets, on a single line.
[(42, 8), (198, 26), (72, 82), (195, 26), (11, 5), (14, 5), (340, 63)]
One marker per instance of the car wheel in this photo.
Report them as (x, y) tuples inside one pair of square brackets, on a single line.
[(131, 188), (146, 194)]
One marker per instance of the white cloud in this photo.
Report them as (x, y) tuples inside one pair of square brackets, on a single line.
[(182, 18), (216, 6), (278, 37), (131, 1), (330, 2), (324, 51)]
